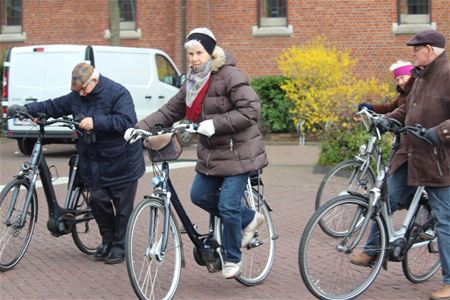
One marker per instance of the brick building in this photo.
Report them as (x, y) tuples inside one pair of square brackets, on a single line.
[(255, 31)]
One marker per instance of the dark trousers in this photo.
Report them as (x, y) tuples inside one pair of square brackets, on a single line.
[(112, 207)]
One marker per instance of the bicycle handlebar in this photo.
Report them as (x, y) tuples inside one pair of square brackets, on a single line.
[(396, 127), (133, 134)]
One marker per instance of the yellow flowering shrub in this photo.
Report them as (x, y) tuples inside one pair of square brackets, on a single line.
[(322, 86)]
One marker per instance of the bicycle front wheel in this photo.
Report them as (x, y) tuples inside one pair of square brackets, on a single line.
[(324, 260), (17, 221), (422, 259), (154, 270), (85, 231), (257, 258), (347, 177)]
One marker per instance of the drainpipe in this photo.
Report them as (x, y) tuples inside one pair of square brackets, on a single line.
[(183, 36)]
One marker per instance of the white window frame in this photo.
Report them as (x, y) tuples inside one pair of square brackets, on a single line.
[(271, 26), (12, 33), (413, 23)]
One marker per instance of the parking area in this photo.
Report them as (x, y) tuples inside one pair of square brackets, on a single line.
[(53, 268)]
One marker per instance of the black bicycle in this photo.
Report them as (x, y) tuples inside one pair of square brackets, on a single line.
[(19, 202), (154, 251)]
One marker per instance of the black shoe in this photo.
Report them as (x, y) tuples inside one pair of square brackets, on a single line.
[(115, 257), (102, 251)]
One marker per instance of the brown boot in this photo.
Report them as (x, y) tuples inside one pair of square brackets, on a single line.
[(442, 294), (362, 259)]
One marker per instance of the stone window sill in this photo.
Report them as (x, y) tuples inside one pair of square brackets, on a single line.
[(13, 37), (125, 34), (411, 28), (272, 31)]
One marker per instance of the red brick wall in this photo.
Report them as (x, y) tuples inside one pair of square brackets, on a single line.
[(363, 26)]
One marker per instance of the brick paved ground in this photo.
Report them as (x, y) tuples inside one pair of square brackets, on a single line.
[(53, 268)]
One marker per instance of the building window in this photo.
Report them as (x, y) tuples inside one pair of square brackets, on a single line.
[(272, 18), (11, 16), (413, 16), (414, 11), (127, 26), (272, 13), (127, 10)]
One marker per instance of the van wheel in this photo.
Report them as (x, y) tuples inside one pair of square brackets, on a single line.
[(26, 145)]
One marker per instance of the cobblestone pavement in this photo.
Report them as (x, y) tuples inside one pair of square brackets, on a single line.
[(53, 268)]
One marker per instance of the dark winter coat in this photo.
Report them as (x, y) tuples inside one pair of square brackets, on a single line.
[(428, 104), (237, 146), (106, 161), (399, 101)]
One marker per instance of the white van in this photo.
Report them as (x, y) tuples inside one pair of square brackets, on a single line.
[(36, 73)]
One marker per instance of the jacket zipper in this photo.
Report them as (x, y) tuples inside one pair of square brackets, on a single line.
[(437, 161), (207, 162)]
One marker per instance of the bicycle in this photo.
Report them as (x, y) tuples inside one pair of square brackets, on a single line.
[(350, 216), (352, 176), (19, 202), (154, 251)]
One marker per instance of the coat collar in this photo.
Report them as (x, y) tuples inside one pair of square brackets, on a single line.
[(429, 68), (220, 59)]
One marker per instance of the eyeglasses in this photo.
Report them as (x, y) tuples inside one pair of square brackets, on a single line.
[(418, 48), (83, 89)]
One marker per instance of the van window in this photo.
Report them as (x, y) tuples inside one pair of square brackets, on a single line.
[(36, 70), (119, 66), (166, 71)]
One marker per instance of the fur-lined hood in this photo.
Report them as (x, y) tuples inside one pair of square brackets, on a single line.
[(220, 58)]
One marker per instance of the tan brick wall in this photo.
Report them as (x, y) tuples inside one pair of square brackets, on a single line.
[(363, 26)]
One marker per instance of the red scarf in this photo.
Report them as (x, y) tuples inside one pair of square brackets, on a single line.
[(193, 112)]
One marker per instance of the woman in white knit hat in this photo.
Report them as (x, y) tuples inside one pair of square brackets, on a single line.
[(219, 97)]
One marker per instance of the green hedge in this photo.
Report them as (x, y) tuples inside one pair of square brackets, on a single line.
[(275, 106), (339, 143)]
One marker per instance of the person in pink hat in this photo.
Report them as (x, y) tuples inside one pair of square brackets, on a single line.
[(402, 72)]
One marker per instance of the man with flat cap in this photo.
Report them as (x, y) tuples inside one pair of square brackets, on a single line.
[(417, 162), (107, 166)]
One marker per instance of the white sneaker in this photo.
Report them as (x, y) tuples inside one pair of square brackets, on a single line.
[(231, 270), (249, 231)]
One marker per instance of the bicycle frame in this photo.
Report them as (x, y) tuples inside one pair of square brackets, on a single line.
[(379, 205), (37, 166), (172, 198)]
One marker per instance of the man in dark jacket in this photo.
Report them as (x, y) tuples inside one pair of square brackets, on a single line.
[(417, 163), (107, 166)]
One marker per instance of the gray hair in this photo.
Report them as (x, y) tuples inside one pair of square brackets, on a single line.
[(437, 50), (191, 44)]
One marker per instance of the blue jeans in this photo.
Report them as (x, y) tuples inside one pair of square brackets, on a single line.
[(439, 201), (221, 196)]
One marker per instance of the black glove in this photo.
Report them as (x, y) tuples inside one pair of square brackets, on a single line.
[(383, 124), (431, 136), (17, 109), (362, 105)]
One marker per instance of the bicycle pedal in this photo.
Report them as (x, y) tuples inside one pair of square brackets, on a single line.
[(428, 235)]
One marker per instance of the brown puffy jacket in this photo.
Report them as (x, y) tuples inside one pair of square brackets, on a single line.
[(237, 146), (428, 104)]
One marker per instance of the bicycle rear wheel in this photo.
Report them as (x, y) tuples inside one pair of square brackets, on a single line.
[(347, 177), (15, 238), (154, 274), (324, 260), (85, 231), (422, 259), (257, 258)]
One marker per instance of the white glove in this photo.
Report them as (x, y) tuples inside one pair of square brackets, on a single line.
[(131, 135), (206, 128)]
